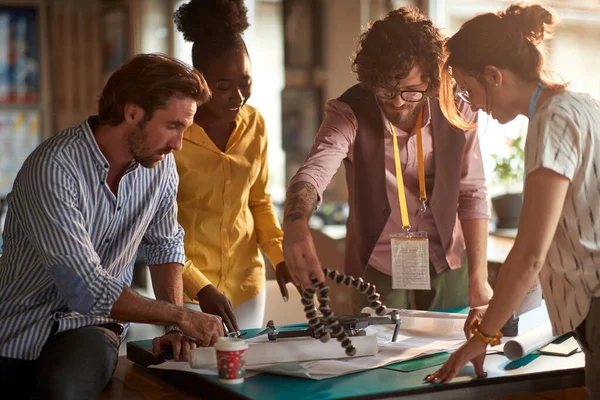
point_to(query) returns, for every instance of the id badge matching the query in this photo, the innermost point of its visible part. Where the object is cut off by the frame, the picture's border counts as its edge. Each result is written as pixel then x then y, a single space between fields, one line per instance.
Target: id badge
pixel 410 261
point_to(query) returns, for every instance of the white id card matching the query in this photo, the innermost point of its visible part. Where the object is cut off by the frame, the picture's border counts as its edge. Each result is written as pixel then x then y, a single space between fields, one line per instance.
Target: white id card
pixel 410 261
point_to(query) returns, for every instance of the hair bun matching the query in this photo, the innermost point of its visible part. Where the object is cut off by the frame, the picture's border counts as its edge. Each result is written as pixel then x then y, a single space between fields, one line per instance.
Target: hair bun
pixel 201 19
pixel 532 21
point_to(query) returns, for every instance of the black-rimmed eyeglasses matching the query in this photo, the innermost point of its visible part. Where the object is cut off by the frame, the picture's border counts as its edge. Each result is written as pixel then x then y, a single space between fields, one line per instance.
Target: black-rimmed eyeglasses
pixel 406 95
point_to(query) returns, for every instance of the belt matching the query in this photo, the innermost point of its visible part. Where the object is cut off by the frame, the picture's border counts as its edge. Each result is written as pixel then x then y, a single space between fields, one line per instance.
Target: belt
pixel 111 326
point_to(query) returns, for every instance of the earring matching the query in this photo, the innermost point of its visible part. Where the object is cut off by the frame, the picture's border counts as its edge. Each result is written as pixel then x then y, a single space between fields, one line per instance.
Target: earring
pixel 496 84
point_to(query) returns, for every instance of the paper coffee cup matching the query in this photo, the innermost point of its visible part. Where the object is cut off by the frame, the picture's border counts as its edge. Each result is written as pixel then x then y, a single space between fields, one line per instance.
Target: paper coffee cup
pixel 231 359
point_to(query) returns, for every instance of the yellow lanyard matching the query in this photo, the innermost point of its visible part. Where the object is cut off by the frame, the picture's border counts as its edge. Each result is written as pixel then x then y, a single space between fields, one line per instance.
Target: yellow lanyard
pixel 400 180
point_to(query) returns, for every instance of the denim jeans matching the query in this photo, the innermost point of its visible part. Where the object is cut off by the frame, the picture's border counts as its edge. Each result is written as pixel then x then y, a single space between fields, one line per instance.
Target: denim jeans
pixel 588 336
pixel 75 364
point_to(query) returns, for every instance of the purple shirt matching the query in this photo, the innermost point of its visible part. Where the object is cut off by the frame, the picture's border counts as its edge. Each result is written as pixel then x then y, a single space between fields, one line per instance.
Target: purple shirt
pixel 335 141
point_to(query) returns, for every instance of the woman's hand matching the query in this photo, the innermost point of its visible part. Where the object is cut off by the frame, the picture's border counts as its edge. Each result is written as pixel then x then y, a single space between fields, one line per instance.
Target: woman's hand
pixel 213 301
pixel 474 351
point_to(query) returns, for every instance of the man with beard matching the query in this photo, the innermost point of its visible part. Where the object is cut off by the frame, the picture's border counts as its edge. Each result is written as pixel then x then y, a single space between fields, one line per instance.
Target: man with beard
pixel 397 64
pixel 81 205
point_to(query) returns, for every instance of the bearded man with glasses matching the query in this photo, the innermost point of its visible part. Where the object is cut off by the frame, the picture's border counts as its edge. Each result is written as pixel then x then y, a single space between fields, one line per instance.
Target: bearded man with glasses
pixel 390 133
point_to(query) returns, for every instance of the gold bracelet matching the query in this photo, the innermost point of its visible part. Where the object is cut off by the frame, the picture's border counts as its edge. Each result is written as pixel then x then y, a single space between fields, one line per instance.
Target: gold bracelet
pixel 491 340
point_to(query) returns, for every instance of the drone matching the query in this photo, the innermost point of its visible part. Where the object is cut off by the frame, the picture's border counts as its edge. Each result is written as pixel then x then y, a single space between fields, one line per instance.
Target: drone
pixel 351 325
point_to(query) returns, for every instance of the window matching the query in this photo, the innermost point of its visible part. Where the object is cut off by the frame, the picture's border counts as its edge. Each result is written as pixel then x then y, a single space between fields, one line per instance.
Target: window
pixel 571 52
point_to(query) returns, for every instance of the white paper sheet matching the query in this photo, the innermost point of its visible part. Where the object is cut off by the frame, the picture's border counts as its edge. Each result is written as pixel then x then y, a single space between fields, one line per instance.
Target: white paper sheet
pixel 424 334
pixel 565 349
pixel 263 351
pixel 529 342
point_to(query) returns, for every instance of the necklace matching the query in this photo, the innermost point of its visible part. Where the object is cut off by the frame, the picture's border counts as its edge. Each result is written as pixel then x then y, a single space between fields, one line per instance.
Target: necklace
pixel 535 97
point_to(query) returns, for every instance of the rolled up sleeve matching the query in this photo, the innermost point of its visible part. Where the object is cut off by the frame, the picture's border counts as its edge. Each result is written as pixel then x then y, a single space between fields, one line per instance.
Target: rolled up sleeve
pixel 193 280
pixel 473 197
pixel 333 143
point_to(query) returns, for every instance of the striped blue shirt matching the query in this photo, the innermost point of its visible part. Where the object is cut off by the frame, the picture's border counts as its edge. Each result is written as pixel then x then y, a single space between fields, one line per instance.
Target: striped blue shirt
pixel 70 243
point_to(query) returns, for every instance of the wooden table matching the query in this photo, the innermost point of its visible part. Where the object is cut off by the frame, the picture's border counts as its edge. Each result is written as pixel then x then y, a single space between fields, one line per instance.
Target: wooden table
pixel 132 382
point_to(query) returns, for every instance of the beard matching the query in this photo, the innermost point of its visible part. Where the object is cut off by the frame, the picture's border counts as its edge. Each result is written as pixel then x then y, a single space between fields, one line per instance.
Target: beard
pixel 140 150
pixel 405 115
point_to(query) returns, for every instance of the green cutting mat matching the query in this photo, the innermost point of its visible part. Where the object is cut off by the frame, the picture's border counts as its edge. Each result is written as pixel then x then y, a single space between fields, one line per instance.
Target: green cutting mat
pixel 420 363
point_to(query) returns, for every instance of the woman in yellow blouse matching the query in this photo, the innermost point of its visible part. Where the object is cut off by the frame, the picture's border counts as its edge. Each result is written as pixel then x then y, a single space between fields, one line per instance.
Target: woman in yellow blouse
pixel 224 206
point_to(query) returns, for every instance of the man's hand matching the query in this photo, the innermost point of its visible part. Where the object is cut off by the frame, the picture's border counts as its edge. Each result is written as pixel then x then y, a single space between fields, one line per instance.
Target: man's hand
pixel 300 254
pixel 480 294
pixel 180 344
pixel 204 328
pixel 283 277
pixel 298 248
pixel 474 313
pixel 213 301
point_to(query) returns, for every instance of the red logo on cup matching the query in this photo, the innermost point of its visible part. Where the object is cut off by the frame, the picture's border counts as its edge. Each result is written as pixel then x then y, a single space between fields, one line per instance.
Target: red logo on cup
pixel 231 359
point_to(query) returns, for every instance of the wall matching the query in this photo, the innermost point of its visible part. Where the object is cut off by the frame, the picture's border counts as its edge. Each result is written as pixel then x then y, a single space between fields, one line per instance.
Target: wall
pixel 266 53
pixel 343 22
pixel 574 53
pixel 76 60
pixel 156 26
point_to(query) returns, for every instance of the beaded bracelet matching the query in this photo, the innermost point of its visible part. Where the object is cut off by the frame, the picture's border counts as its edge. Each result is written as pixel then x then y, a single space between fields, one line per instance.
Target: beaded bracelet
pixel 327 325
pixel 491 340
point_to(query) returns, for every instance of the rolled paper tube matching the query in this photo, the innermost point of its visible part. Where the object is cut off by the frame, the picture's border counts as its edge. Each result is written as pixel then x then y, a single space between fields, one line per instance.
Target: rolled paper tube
pixel 529 342
pixel 288 350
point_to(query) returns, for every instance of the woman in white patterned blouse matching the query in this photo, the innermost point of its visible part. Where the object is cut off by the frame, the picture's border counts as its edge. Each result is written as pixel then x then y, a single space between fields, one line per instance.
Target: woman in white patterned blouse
pixel 496 62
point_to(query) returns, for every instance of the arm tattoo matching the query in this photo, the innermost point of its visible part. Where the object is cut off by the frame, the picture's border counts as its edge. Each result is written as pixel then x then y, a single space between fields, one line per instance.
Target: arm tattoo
pixel 301 201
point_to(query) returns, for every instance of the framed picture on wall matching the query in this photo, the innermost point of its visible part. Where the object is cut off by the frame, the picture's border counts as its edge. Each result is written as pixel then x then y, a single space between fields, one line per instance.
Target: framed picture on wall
pixel 300 119
pixel 116 38
pixel 19 56
pixel 302 33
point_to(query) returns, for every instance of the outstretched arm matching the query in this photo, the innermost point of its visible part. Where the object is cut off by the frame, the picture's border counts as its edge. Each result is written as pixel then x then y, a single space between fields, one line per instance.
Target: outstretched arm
pixel 300 202
pixel 298 247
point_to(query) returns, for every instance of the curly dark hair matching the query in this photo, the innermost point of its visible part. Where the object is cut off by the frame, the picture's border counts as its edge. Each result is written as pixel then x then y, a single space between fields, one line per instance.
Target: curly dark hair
pixel 391 47
pixel 214 26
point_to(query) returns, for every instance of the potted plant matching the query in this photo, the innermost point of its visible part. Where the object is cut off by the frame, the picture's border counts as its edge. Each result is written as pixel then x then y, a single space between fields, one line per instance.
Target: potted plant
pixel 509 171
